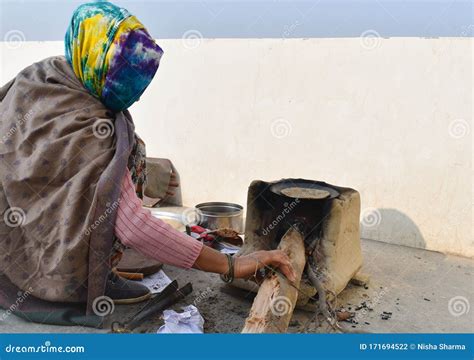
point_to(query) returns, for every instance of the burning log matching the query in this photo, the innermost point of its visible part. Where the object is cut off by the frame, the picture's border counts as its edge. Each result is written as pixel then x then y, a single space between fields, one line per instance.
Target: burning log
pixel 276 299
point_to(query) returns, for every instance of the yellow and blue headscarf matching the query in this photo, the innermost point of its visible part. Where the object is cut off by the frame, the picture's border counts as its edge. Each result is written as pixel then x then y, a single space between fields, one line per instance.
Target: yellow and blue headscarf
pixel 111 53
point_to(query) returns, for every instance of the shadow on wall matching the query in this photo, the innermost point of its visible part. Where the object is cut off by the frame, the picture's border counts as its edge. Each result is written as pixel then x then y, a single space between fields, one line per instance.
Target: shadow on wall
pixel 391 226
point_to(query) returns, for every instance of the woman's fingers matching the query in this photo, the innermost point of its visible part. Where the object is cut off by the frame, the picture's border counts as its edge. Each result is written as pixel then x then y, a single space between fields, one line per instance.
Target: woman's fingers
pixel 173 182
pixel 247 266
pixel 288 271
pixel 280 260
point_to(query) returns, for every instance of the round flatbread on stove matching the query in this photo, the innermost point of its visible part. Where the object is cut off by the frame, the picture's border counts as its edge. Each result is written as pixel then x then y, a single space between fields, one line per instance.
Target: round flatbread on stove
pixel 305 193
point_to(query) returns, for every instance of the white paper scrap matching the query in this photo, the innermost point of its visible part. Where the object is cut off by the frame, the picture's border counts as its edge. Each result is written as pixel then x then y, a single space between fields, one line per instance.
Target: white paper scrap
pixel 226 248
pixel 189 321
pixel 156 282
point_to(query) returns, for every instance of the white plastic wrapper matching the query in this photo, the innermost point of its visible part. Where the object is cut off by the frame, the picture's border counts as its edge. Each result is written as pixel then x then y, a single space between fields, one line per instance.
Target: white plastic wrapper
pixel 189 321
pixel 156 282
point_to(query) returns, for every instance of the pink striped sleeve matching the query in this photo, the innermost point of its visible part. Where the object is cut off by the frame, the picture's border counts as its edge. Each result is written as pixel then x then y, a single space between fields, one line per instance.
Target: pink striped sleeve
pixel 138 229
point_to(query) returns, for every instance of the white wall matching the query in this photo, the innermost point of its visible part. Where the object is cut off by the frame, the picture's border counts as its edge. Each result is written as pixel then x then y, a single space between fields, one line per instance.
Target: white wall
pixel 392 119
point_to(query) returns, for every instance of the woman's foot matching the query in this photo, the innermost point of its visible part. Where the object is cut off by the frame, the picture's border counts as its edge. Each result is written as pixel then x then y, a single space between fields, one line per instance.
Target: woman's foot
pixel 123 291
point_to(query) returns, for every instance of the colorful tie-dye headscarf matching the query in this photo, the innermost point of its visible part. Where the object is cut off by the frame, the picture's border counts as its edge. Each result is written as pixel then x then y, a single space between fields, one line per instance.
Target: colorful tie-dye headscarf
pixel 111 53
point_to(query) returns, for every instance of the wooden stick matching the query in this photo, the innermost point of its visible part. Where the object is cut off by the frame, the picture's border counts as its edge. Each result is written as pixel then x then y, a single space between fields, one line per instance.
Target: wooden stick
pixel 273 306
pixel 129 275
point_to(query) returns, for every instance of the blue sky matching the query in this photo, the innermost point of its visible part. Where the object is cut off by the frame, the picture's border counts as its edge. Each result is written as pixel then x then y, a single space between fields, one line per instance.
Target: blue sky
pixel 47 20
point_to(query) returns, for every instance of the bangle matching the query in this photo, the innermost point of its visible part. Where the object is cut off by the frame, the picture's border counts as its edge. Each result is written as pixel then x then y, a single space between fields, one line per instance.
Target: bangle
pixel 229 276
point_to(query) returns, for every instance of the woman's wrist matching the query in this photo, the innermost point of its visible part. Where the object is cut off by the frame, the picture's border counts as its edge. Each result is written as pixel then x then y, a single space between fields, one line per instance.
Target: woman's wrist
pixel 225 266
pixel 228 277
pixel 212 261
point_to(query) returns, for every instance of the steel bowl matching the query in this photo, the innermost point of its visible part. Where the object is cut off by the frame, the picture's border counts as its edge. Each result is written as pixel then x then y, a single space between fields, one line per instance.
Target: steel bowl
pixel 218 215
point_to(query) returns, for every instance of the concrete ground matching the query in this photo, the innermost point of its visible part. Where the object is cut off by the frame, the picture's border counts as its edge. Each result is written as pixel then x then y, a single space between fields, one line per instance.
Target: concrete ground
pixel 419 291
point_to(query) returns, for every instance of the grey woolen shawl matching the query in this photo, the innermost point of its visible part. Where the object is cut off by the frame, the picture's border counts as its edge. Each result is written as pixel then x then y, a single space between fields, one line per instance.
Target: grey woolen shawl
pixel 62 157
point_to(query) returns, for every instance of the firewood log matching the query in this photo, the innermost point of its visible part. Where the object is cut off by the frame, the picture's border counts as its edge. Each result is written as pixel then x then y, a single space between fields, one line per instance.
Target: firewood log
pixel 276 299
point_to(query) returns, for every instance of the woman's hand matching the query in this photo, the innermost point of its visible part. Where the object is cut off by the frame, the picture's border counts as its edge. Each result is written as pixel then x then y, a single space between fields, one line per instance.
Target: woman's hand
pixel 247 266
pixel 244 266
pixel 173 184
